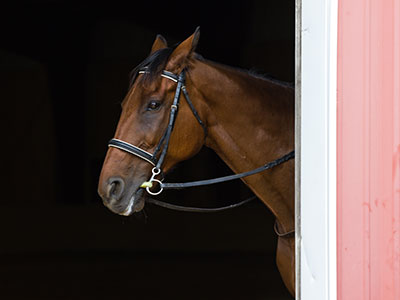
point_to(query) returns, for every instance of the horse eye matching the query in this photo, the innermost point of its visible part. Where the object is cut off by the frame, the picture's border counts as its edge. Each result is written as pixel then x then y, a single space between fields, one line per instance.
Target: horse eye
pixel 153 105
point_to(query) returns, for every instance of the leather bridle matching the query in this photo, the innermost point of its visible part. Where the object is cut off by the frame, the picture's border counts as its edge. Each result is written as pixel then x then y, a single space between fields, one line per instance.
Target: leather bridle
pixel 152 158
pixel 157 158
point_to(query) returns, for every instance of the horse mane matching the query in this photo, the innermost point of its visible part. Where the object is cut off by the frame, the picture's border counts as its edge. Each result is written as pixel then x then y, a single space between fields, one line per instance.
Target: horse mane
pixel 156 62
pixel 251 72
pixel 268 77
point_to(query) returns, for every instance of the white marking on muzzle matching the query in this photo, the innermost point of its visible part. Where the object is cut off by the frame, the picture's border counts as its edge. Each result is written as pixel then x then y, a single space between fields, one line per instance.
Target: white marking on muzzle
pixel 128 209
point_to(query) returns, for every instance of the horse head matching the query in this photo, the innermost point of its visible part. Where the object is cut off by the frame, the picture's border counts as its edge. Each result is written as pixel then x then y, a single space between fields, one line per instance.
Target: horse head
pixel 149 113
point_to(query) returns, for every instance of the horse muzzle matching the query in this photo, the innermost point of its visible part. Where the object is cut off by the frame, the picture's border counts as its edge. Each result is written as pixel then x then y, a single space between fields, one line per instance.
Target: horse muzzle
pixel 121 199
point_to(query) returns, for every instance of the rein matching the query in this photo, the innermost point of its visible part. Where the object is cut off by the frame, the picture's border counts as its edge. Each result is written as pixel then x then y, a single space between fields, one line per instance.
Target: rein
pixel 197 209
pixel 212 210
pixel 229 177
pixel 162 148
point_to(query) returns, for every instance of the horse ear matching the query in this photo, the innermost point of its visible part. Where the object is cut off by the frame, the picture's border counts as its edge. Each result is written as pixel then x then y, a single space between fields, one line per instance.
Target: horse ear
pixel 183 51
pixel 159 43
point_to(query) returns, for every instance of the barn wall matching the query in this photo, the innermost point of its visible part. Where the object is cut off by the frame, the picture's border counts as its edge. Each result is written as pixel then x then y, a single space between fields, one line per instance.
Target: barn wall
pixel 368 171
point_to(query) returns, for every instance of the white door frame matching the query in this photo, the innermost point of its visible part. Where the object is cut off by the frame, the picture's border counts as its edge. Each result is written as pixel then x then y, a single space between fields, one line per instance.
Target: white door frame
pixel 316 56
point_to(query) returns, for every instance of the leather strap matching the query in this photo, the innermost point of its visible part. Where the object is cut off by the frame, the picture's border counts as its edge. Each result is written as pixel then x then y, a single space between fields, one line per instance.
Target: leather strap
pixel 116 143
pixel 195 113
pixel 283 234
pixel 172 117
pixel 229 177
pixel 197 209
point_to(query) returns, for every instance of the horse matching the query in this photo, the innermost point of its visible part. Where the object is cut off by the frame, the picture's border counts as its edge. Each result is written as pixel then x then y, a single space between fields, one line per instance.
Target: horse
pixel 245 118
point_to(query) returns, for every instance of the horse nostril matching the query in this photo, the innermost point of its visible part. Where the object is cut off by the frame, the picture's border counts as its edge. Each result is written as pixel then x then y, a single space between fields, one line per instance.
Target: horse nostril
pixel 115 188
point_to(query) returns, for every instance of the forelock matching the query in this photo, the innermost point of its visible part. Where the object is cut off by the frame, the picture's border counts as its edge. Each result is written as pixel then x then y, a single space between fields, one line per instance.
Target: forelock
pixel 153 65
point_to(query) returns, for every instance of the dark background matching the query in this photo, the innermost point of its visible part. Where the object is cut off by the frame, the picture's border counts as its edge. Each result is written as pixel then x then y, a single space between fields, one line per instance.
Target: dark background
pixel 63 72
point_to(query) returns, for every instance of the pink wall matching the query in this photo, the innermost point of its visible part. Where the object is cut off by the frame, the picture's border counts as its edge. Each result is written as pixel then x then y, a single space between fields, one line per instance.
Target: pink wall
pixel 368 163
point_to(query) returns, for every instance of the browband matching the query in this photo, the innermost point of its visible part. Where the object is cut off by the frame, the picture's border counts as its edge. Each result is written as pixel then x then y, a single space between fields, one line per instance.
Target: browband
pixel 166 74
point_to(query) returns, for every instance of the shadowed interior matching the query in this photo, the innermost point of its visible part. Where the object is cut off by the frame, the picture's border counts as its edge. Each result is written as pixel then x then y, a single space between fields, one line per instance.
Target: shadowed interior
pixel 64 71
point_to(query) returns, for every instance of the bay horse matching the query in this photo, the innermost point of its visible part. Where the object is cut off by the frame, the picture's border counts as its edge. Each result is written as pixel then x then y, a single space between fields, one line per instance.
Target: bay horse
pixel 246 119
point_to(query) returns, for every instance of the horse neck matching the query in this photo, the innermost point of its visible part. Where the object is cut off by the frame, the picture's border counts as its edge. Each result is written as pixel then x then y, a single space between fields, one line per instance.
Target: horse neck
pixel 250 122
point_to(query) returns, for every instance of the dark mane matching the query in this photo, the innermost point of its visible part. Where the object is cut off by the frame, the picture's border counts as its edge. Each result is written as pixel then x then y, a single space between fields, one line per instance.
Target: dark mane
pixel 154 64
pixel 252 72
pixel 257 74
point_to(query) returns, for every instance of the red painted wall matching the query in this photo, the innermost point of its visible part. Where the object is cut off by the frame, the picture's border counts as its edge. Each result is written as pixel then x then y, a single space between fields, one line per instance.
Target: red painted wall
pixel 368 173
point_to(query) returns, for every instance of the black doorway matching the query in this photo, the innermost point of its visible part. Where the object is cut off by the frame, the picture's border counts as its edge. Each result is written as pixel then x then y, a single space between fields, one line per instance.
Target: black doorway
pixel 64 70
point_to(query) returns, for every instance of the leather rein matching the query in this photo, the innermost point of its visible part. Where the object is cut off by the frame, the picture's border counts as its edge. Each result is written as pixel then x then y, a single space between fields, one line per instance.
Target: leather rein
pixel 157 158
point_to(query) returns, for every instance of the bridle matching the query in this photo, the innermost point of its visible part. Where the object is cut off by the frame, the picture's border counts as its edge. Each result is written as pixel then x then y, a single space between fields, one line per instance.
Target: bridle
pixel 161 151
pixel 152 158
pixel 157 158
